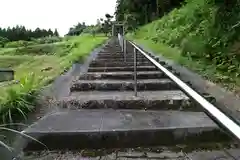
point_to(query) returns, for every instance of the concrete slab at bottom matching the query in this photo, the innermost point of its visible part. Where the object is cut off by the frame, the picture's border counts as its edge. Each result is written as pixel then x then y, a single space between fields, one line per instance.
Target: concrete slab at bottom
pixel 130 154
pixel 121 128
pixel 210 155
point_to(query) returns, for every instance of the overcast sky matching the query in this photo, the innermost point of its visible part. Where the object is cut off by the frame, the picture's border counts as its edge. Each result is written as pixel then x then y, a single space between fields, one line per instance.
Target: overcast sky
pixel 60 14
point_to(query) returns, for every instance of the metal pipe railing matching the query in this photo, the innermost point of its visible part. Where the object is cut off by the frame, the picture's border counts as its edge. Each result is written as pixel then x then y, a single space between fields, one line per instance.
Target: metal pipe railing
pixel 123 44
pixel 135 71
pixel 125 50
pixel 213 111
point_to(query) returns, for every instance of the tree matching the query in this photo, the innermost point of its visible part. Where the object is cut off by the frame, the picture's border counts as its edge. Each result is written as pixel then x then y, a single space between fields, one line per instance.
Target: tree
pixel 108 16
pixel 56 33
pixel 140 12
pixel 21 33
pixel 50 32
pixel 3 41
pixel 77 29
pixel 106 24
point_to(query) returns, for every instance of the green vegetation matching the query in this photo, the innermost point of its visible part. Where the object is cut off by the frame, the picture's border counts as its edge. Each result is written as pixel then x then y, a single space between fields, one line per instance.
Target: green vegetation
pixel 34 41
pixel 102 26
pixel 139 12
pixel 202 35
pixel 23 35
pixel 36 66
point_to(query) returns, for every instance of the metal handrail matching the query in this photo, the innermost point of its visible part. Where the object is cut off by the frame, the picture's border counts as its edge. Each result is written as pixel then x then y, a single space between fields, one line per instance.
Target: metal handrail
pixel 224 120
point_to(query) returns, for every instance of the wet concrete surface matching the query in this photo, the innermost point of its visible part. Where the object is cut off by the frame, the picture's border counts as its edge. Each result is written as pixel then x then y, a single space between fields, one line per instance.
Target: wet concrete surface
pixel 101 120
pixel 121 128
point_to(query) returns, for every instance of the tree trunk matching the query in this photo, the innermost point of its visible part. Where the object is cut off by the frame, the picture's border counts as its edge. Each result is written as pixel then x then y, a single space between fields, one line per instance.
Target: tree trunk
pixel 157 8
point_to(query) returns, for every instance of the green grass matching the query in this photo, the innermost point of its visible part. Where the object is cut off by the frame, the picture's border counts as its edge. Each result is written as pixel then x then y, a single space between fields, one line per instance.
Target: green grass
pixel 202 35
pixel 207 70
pixel 4 51
pixel 34 70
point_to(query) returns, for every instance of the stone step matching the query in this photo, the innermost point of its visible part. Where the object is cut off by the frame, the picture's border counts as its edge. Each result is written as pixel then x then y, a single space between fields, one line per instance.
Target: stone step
pixel 120 69
pixel 100 60
pixel 153 100
pixel 111 46
pixel 121 59
pixel 118 56
pixel 109 51
pixel 96 129
pixel 118 53
pixel 117 64
pixel 96 63
pixel 123 85
pixel 150 153
pixel 122 75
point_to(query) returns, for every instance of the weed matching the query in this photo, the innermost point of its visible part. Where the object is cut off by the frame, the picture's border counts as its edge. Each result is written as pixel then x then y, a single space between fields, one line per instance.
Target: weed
pixel 203 32
pixel 34 71
pixel 18 99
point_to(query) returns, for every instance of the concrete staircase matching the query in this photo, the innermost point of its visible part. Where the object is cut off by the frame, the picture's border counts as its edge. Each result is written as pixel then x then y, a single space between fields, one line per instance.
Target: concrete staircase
pixel 102 111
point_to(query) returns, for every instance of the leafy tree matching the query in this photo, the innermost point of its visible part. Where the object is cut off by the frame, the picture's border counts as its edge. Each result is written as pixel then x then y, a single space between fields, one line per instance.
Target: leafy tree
pixel 56 33
pixel 77 29
pixel 3 41
pixel 107 24
pixel 138 12
pixel 50 32
pixel 21 33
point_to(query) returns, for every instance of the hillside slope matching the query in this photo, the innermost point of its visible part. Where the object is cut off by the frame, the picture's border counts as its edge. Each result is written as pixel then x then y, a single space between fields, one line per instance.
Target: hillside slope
pixel 202 35
pixel 36 66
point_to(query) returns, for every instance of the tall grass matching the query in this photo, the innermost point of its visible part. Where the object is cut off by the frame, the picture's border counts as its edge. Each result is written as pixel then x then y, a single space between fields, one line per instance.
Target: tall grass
pixel 17 100
pixel 205 32
pixel 32 73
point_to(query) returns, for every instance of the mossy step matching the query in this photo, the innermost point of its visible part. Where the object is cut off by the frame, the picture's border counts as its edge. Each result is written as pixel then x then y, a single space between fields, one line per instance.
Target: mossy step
pixel 122 75
pixel 123 85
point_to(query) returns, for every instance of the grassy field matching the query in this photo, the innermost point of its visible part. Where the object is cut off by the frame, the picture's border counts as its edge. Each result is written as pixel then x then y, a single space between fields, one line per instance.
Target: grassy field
pixel 36 66
pixel 201 36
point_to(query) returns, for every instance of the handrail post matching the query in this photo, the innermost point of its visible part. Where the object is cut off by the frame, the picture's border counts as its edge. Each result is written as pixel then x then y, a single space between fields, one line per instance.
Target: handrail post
pixel 125 50
pixel 135 71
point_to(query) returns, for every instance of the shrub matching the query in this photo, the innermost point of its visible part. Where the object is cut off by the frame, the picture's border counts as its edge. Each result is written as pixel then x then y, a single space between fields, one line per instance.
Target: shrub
pixel 204 29
pixel 16 44
pixel 44 40
pixel 18 100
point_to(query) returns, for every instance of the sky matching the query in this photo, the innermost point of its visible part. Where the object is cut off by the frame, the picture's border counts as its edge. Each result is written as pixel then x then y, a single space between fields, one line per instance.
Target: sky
pixel 60 14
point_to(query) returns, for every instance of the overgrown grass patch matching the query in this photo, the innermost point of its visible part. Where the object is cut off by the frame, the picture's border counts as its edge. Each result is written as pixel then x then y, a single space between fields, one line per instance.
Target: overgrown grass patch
pixel 205 37
pixel 206 69
pixel 13 61
pixel 6 51
pixel 35 71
